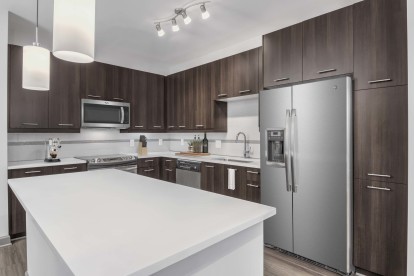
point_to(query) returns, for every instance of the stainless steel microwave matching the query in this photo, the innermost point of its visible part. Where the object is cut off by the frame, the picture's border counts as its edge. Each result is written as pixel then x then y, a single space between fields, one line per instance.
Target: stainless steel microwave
pixel 105 114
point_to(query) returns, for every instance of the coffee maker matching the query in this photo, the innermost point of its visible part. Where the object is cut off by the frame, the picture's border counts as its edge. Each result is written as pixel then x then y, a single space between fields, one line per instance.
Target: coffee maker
pixel 52 147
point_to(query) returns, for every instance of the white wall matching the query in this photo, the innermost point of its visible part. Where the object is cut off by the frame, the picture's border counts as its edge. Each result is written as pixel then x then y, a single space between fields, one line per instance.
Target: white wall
pixel 410 259
pixel 3 119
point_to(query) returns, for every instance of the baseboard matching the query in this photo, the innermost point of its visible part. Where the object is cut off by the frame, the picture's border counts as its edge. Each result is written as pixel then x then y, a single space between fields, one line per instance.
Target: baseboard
pixel 5 241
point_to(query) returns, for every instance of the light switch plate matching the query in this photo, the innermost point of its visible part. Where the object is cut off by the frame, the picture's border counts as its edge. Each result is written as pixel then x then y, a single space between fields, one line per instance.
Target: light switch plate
pixel 182 142
pixel 131 142
pixel 160 142
pixel 218 144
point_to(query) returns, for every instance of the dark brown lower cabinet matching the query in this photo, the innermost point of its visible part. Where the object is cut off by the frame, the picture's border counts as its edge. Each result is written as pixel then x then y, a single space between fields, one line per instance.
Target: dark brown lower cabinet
pixel 17 214
pixel 380 227
pixel 149 167
pixel 240 178
pixel 253 185
pixel 168 169
pixel 211 177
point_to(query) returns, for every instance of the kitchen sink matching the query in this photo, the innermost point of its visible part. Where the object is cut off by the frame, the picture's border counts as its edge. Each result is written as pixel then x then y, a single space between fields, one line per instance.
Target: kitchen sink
pixel 232 160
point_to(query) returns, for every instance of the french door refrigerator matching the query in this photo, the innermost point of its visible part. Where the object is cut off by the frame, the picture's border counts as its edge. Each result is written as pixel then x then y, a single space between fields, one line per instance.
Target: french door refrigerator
pixel 306 170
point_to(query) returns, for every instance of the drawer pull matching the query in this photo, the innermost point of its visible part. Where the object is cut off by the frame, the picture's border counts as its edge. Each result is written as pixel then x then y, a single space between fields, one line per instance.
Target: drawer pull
pixel 326 71
pixel 32 172
pixel 199 125
pixel 379 81
pixel 244 91
pixel 147 161
pixel 168 170
pixel 222 95
pixel 70 169
pixel 181 126
pixel 118 99
pixel 251 185
pixel 168 160
pixel 378 188
pixel 210 167
pixel 150 170
pixel 71 125
pixel 282 79
pixel 252 172
pixel 30 124
pixel 156 126
pixel 94 96
pixel 139 126
pixel 171 126
pixel 380 175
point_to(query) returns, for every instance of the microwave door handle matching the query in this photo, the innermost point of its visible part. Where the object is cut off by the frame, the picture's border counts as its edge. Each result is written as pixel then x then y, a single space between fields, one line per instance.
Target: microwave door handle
pixel 122 115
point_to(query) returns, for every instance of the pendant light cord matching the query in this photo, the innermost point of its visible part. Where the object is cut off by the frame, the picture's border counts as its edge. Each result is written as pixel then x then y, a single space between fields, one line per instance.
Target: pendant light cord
pixel 37 23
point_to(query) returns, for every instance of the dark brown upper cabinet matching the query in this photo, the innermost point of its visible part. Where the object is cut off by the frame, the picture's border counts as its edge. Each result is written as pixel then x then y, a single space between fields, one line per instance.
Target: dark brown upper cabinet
pixel 246 73
pixel 204 103
pixel 155 102
pixel 28 109
pixel 64 95
pixel 139 101
pixel 380 43
pixel 380 227
pixel 226 67
pixel 282 51
pixel 121 84
pixel 94 83
pixel 180 106
pixel 380 134
pixel 328 45
pixel 190 90
pixel 170 98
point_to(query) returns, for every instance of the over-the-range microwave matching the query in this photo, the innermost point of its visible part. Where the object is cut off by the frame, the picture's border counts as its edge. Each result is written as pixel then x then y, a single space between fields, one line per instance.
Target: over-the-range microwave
pixel 105 114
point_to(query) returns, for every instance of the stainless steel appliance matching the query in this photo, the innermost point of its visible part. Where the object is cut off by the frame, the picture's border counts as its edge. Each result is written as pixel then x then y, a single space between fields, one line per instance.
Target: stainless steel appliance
pixel 188 173
pixel 105 114
pixel 306 170
pixel 121 162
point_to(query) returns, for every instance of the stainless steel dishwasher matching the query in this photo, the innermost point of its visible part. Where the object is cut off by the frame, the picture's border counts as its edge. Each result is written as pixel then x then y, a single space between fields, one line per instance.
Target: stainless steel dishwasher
pixel 188 173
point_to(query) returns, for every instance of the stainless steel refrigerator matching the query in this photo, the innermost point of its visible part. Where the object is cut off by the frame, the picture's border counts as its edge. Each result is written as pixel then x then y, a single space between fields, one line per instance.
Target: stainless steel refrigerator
pixel 306 170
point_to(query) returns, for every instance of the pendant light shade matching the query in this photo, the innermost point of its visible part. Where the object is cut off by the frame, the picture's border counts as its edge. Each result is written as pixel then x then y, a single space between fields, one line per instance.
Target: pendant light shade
pixel 74 30
pixel 36 68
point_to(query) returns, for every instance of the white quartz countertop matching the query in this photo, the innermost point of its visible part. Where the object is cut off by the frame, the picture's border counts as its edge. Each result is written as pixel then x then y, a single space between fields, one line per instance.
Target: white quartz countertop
pixel 42 163
pixel 218 159
pixel 109 222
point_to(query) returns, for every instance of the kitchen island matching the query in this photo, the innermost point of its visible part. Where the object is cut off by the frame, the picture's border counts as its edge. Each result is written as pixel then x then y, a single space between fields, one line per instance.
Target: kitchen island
pixel 110 222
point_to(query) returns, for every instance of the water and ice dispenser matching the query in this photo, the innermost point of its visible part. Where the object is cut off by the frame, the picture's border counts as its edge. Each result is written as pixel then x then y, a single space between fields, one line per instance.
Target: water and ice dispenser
pixel 276 147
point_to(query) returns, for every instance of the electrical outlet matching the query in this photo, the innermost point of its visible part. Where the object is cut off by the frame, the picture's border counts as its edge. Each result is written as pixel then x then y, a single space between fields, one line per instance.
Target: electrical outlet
pixel 218 144
pixel 131 143
pixel 182 142
pixel 160 142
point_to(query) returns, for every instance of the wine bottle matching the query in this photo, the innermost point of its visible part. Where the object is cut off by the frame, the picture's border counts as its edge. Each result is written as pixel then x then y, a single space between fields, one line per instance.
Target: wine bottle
pixel 205 143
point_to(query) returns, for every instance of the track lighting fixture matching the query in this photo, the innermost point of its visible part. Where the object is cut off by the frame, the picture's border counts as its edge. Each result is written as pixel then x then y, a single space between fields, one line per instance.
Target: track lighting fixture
pixel 183 13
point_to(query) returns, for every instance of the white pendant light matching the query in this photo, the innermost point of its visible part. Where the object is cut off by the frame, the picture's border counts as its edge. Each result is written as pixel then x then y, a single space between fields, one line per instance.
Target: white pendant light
pixel 36 63
pixel 74 30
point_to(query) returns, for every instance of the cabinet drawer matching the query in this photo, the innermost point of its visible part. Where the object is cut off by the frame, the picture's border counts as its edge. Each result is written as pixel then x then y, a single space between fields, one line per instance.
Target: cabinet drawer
pixel 253 175
pixel 169 163
pixel 30 172
pixel 152 172
pixel 147 162
pixel 69 168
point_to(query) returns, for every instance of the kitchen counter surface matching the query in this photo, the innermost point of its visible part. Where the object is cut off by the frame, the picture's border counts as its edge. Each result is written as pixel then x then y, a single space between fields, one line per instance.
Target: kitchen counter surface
pixel 110 222
pixel 245 162
pixel 42 163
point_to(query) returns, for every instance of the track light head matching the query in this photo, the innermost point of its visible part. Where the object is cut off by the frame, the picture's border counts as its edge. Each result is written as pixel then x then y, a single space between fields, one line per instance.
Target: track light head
pixel 186 18
pixel 204 13
pixel 160 31
pixel 175 27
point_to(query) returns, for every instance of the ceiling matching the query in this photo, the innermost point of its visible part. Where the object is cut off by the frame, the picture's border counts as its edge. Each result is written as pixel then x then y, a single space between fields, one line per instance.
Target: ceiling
pixel 126 36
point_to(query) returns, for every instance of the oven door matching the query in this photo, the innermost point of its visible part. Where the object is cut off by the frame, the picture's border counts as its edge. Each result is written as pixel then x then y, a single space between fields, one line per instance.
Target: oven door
pixel 105 114
pixel 128 168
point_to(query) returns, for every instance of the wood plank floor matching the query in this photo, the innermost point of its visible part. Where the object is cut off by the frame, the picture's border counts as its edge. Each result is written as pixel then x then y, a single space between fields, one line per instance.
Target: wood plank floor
pixel 13 263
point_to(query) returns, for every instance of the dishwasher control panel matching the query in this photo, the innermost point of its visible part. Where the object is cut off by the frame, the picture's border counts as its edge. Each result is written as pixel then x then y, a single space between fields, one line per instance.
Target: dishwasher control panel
pixel 188 165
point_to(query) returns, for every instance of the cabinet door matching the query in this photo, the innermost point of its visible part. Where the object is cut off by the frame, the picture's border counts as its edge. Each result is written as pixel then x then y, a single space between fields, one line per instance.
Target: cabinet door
pixel 226 77
pixel 64 96
pixel 27 108
pixel 189 97
pixel 94 80
pixel 328 45
pixel 155 102
pixel 253 185
pixel 209 176
pixel 168 167
pixel 380 43
pixel 282 62
pixel 203 101
pixel 380 227
pixel 171 99
pixel 381 138
pixel 246 73
pixel 240 178
pixel 181 106
pixel 139 101
pixel 121 84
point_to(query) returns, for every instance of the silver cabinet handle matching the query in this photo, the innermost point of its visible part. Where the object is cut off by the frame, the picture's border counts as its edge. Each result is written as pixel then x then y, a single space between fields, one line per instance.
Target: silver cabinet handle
pixel 118 99
pixel 378 188
pixel 222 95
pixel 171 126
pixel 293 151
pixel 281 79
pixel 379 81
pixel 380 175
pixel 65 125
pixel 150 170
pixel 70 169
pixel 252 172
pixel 245 91
pixel 147 161
pixel 199 125
pixel 94 96
pixel 326 71
pixel 32 172
pixel 139 126
pixel 210 167
pixel 168 160
pixel 181 126
pixel 156 126
pixel 30 124
pixel 251 185
pixel 168 170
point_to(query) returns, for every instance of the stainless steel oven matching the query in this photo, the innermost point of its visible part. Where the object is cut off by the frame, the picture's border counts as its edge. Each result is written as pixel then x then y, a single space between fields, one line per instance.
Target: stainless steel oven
pixel 126 163
pixel 105 114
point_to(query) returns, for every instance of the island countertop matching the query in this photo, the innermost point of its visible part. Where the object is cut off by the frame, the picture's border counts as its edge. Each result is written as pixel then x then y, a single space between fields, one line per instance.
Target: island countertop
pixel 110 222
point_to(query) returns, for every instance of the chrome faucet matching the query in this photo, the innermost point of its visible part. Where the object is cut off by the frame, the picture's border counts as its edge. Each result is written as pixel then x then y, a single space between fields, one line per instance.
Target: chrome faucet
pixel 246 152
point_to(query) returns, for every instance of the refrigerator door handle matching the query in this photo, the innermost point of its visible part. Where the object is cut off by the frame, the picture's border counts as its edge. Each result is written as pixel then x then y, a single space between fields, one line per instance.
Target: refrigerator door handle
pixel 293 150
pixel 287 152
